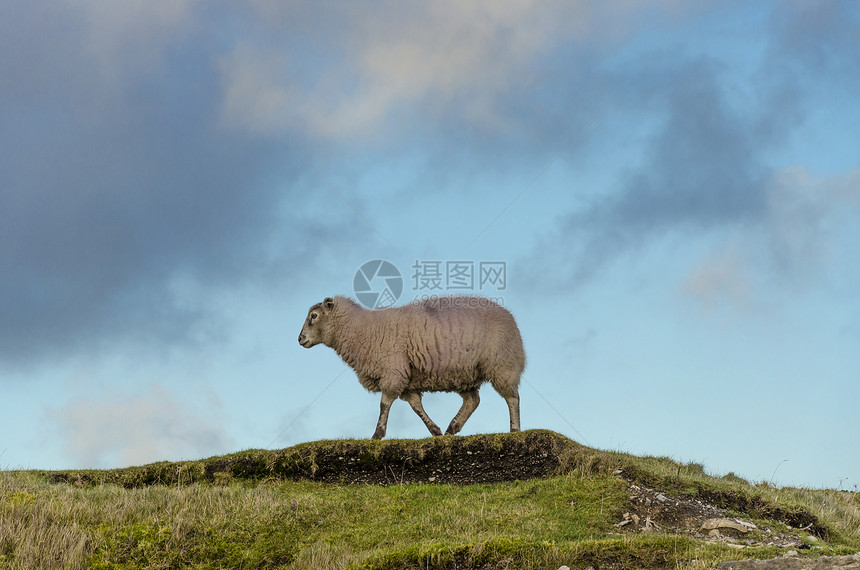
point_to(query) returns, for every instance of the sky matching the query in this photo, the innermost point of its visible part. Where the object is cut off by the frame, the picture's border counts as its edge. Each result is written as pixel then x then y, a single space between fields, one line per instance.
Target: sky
pixel 667 192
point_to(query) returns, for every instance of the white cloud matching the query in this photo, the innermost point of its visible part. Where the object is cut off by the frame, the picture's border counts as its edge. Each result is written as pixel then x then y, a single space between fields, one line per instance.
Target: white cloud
pixel 800 241
pixel 254 89
pixel 452 58
pixel 805 214
pixel 120 429
pixel 124 37
pixel 722 278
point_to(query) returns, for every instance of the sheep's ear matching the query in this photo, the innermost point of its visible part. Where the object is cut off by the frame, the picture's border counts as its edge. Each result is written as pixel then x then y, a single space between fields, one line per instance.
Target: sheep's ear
pixel 328 303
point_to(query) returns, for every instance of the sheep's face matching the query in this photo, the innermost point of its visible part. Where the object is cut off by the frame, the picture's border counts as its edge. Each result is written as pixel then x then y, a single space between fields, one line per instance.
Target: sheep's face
pixel 315 330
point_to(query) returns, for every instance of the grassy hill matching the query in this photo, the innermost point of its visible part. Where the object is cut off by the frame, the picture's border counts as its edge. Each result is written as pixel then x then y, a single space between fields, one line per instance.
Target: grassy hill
pixel 529 500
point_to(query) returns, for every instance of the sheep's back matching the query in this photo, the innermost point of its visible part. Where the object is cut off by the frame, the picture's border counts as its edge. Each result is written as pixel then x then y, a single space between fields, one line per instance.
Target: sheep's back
pixel 460 340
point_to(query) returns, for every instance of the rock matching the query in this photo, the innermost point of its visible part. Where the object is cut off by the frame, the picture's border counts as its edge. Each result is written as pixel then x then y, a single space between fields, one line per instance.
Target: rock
pixel 851 562
pixel 650 526
pixel 714 524
pixel 565 567
pixel 662 498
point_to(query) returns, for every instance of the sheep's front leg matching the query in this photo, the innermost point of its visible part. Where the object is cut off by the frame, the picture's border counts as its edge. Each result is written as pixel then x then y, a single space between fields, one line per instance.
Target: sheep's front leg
pixel 384 407
pixel 414 399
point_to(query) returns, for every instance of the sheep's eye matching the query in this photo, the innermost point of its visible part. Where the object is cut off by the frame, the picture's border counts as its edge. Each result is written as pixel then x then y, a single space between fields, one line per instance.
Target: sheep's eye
pixel 313 316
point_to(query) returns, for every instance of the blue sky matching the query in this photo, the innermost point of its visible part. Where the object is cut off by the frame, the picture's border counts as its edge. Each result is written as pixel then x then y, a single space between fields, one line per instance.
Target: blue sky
pixel 673 187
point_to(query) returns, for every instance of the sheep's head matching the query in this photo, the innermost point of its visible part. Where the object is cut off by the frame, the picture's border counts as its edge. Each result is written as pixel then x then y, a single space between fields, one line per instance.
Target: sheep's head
pixel 316 328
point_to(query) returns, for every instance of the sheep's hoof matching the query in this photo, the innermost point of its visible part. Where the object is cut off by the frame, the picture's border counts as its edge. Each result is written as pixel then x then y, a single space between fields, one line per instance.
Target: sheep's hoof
pixel 452 429
pixel 435 431
pixel 378 434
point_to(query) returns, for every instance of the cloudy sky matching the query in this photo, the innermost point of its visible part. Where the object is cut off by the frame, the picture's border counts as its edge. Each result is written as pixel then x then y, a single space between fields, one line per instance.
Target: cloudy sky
pixel 672 189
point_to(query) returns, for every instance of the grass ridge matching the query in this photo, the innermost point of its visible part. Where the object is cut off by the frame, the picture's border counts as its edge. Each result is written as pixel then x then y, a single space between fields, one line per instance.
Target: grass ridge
pixel 491 501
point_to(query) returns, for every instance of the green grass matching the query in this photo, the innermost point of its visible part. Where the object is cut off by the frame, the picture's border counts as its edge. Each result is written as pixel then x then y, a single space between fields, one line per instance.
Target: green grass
pixel 251 518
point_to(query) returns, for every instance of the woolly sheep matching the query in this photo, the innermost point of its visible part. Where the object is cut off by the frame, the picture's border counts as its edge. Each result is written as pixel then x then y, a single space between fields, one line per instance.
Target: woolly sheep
pixel 442 344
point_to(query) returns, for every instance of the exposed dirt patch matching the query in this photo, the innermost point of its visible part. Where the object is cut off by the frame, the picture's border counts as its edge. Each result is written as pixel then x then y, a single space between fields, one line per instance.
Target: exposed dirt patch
pixel 441 460
pixel 492 458
pixel 654 511
pixel 797 518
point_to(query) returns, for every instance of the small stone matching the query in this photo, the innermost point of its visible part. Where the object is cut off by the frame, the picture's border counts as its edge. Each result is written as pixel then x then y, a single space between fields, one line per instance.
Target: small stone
pixel 790 553
pixel 712 524
pixel 662 498
pixel 635 518
pixel 625 522
pixel 647 502
pixel 564 567
pixel 431 479
pixel 650 526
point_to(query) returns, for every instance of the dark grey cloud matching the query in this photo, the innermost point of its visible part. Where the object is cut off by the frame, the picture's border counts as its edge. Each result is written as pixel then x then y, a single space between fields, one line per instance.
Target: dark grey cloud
pixel 707 165
pixel 115 182
pixel 818 38
pixel 701 170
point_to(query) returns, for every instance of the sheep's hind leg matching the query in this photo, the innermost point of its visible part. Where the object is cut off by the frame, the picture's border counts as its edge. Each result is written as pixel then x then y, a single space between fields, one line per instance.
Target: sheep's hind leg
pixel 514 408
pixel 414 400
pixel 470 403
pixel 507 385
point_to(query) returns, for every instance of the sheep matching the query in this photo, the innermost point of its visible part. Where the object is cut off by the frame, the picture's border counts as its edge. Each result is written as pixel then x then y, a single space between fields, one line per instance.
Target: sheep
pixel 441 344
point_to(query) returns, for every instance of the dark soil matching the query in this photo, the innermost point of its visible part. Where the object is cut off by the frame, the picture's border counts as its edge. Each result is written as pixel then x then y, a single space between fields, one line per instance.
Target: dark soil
pixel 654 511
pixel 460 461
pixel 447 459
